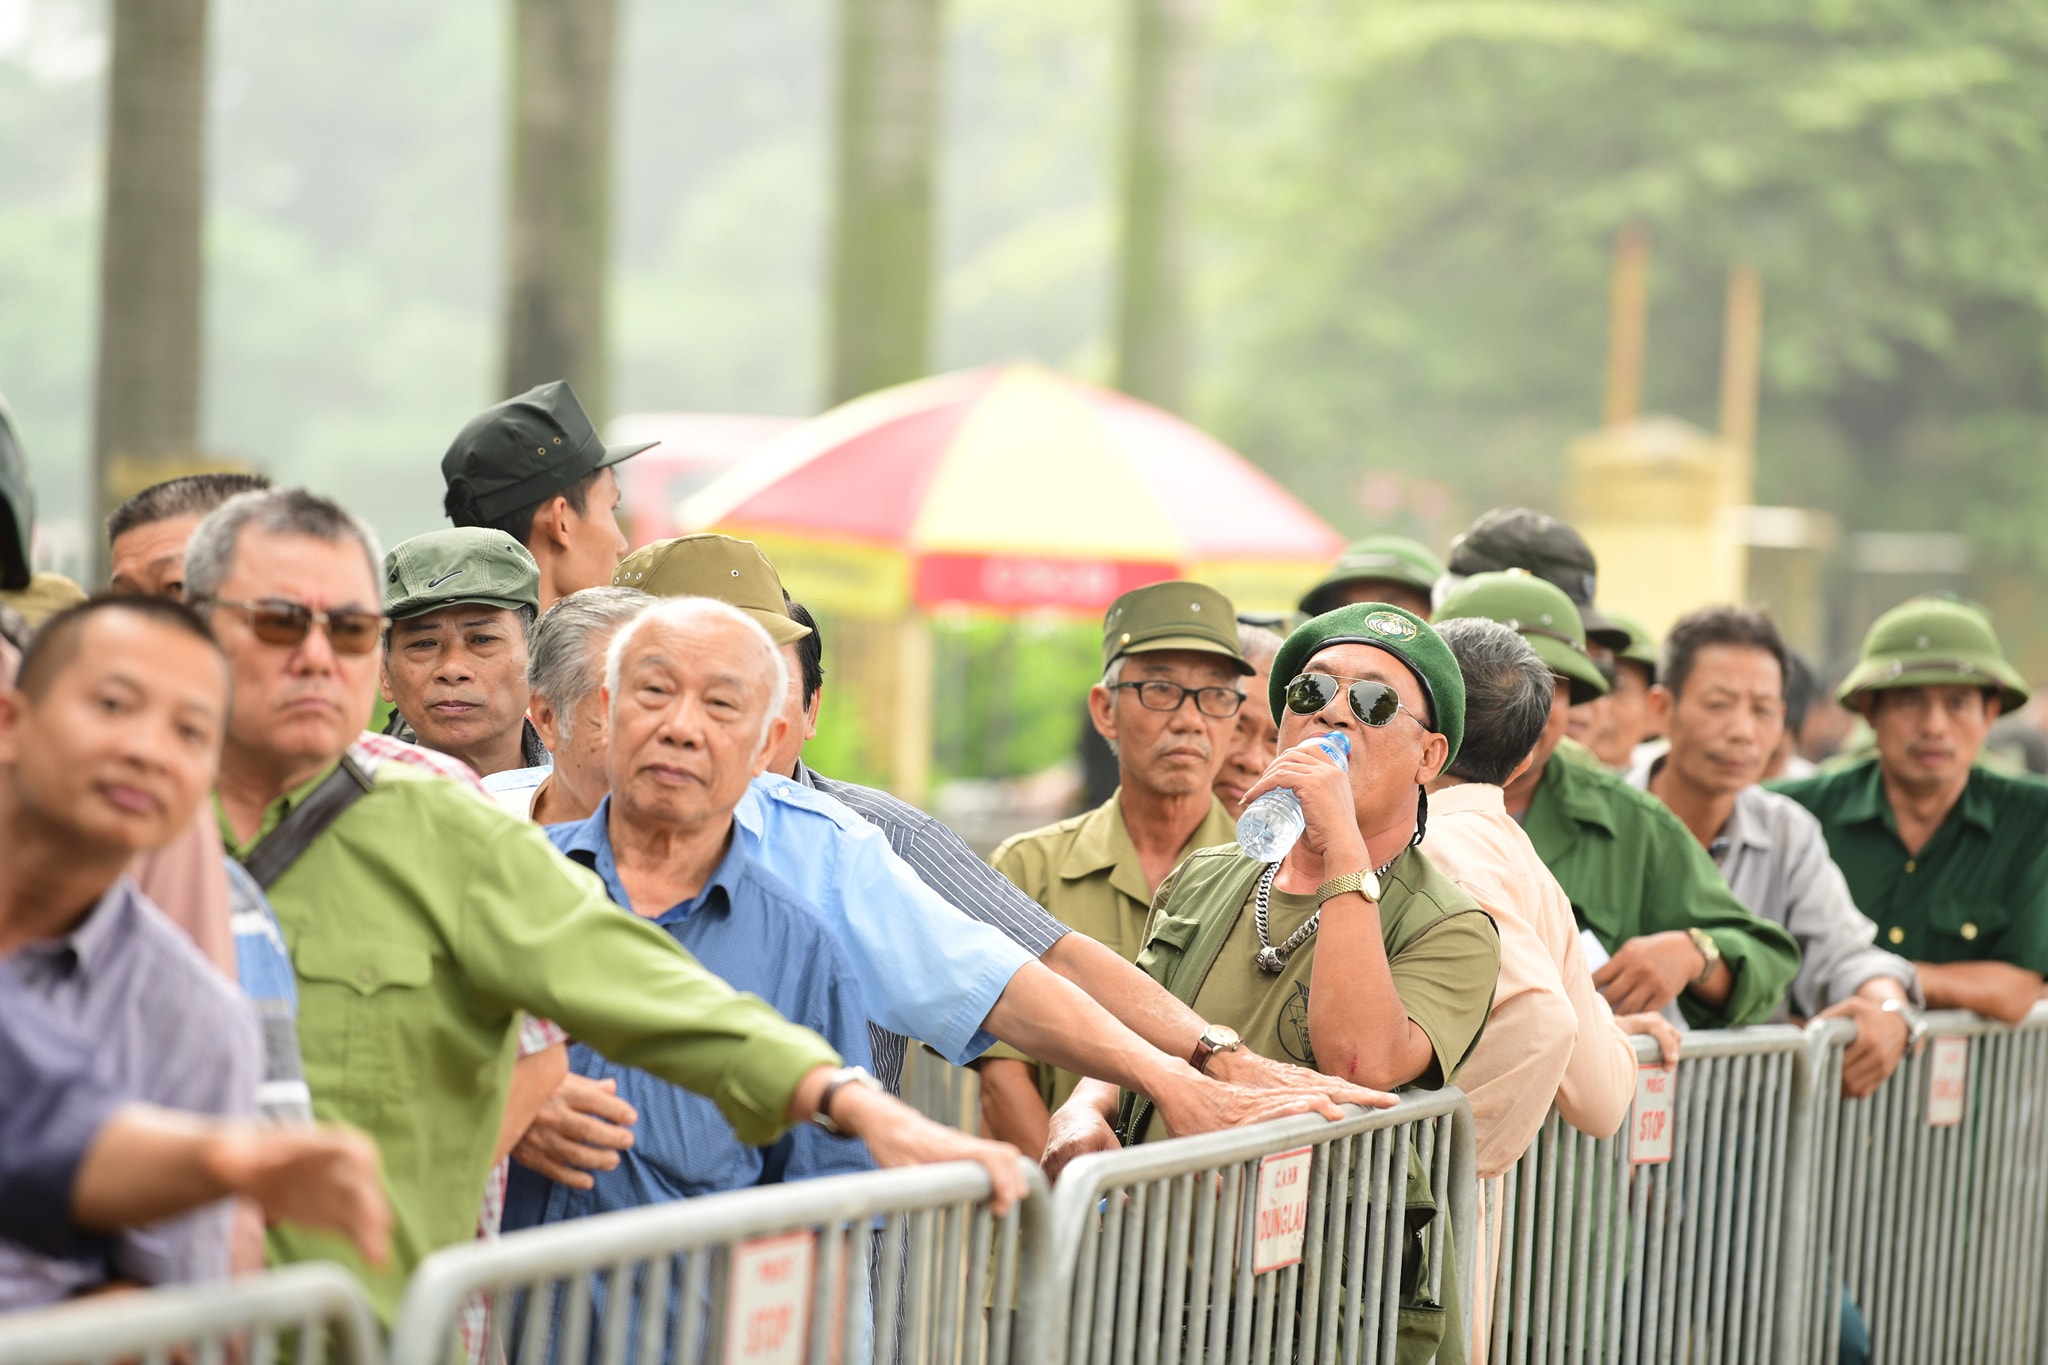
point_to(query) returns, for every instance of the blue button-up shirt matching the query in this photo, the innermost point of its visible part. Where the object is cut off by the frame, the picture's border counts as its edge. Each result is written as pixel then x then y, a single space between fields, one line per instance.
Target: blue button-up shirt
pixel 751 929
pixel 925 969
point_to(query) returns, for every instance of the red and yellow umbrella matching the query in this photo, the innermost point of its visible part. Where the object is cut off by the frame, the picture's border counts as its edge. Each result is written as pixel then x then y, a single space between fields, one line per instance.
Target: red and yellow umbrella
pixel 1011 489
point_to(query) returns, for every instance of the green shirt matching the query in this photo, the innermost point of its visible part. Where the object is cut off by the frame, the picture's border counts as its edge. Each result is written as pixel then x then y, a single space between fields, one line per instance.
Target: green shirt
pixel 1631 868
pixel 1977 891
pixel 421 922
pixel 1087 874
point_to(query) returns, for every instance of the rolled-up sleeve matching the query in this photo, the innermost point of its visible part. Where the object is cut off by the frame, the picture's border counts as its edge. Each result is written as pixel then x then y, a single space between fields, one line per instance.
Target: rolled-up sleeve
pixel 56 1105
pixel 540 933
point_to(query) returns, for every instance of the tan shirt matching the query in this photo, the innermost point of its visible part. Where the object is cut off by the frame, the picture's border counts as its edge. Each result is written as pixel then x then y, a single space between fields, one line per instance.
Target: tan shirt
pixel 1550 1038
pixel 187 879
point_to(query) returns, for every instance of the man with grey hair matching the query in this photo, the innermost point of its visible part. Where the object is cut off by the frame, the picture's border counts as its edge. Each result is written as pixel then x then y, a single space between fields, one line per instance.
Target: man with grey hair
pixel 564 674
pixel 693 693
pixel 1255 743
pixel 421 920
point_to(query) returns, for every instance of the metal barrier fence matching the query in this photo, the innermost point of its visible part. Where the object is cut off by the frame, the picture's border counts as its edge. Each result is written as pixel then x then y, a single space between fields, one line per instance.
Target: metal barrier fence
pixel 308 1313
pixel 1604 1259
pixel 942 1092
pixel 785 1272
pixel 1277 1243
pixel 1930 1204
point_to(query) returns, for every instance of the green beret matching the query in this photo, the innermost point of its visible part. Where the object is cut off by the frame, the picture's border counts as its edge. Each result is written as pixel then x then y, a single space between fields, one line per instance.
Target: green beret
pixel 1543 615
pixel 1377 559
pixel 1934 642
pixel 461 564
pixel 1402 634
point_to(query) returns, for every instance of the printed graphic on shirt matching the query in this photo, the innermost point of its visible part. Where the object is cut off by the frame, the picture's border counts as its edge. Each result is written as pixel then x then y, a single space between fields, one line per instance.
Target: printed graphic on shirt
pixel 1293 1027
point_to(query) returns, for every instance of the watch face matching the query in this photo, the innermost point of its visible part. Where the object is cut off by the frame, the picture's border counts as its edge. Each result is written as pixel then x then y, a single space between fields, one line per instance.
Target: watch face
pixel 1371 887
pixel 1221 1039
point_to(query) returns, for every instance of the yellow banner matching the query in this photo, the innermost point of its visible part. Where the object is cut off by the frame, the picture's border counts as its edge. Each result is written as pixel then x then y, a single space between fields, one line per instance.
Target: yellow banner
pixel 844 577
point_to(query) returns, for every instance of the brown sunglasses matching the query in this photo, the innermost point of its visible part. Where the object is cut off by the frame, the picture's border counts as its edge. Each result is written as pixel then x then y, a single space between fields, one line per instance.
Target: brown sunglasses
pixel 275 621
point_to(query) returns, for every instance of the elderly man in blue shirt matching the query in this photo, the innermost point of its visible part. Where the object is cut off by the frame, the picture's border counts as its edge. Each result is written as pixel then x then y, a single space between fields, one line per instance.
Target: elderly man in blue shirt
pixel 693 691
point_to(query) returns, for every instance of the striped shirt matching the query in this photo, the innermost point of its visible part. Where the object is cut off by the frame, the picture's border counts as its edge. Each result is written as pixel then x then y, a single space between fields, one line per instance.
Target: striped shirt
pixel 943 862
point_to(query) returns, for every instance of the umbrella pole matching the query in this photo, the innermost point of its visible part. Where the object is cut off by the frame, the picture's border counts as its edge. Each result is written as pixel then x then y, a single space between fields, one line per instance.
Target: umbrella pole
pixel 910 764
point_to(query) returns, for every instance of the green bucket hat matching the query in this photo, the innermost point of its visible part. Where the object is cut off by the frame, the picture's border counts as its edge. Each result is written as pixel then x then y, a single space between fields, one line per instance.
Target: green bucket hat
pixel 1933 642
pixel 711 565
pixel 1376 559
pixel 1642 645
pixel 17 507
pixel 462 564
pixel 1400 633
pixel 1541 613
pixel 1175 615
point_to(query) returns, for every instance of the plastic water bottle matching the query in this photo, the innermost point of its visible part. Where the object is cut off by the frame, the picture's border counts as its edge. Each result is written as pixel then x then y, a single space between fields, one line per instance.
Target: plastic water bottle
pixel 1270 825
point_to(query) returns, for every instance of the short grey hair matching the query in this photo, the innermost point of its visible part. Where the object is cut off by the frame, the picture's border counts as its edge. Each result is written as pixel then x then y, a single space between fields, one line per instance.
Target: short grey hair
pixel 560 664
pixel 210 555
pixel 1259 645
pixel 1508 692
pixel 686 612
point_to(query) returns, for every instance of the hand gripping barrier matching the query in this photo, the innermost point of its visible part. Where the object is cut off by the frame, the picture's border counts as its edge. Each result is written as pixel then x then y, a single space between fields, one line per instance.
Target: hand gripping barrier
pixel 1930 1197
pixel 782 1273
pixel 308 1314
pixel 1602 1259
pixel 1157 1248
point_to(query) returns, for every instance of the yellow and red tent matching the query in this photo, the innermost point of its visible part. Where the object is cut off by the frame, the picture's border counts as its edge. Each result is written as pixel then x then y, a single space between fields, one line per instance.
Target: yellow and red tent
pixel 1011 489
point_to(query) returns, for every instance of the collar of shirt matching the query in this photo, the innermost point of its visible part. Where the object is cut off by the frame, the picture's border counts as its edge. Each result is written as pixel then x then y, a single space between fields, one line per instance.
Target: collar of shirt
pixel 1565 792
pixel 273 814
pixel 589 842
pixel 1460 797
pixel 1865 800
pixel 90 939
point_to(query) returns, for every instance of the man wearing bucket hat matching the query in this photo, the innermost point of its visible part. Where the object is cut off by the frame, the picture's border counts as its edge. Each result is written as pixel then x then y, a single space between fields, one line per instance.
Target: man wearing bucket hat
pixel 535 468
pixel 1167 704
pixel 461 604
pixel 1948 857
pixel 1637 879
pixel 1392 569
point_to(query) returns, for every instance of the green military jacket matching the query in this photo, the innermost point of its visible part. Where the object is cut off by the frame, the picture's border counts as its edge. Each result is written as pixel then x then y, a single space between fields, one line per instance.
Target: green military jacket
pixel 1978 890
pixel 1631 868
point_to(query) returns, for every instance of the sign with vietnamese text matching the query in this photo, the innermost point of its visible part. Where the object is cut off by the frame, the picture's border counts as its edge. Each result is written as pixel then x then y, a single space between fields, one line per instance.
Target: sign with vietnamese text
pixel 1281 1212
pixel 767 1319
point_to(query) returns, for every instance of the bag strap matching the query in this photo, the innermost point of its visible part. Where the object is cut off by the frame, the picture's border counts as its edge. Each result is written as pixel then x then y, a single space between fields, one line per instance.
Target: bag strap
pixel 276 851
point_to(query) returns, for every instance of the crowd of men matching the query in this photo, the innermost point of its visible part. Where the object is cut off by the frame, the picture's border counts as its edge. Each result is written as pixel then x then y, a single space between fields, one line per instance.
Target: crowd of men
pixel 577 929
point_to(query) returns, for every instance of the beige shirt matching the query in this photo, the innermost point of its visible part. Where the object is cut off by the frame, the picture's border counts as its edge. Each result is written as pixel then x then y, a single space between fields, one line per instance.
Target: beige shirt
pixel 1550 1038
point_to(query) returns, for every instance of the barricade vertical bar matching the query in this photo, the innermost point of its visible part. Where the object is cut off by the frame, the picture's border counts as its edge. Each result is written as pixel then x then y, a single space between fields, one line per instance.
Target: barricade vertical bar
pixel 1151 1287
pixel 1312 1276
pixel 1131 1266
pixel 1201 1264
pixel 1181 1201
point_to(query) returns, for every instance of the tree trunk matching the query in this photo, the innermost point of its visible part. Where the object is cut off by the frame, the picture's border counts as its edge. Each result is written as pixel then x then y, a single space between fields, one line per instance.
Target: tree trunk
pixel 889 85
pixel 1159 134
pixel 146 390
pixel 559 211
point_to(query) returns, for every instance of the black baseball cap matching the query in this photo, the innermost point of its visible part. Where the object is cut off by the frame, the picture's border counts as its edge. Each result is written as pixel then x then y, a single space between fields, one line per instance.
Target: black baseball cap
pixel 17 508
pixel 527 449
pixel 1523 538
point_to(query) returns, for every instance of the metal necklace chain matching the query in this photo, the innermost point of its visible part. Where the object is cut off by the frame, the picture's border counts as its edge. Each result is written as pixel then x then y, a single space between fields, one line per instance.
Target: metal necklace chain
pixel 1270 958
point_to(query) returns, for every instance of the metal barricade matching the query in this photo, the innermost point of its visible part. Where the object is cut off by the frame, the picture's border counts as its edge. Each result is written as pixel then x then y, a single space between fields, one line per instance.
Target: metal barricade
pixel 306 1313
pixel 1601 1259
pixel 1154 1246
pixel 1930 1207
pixel 904 1266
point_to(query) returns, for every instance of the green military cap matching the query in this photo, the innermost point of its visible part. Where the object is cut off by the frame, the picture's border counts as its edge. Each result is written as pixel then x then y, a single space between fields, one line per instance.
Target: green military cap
pixel 461 564
pixel 525 449
pixel 1642 645
pixel 1400 633
pixel 1934 642
pixel 1376 559
pixel 18 514
pixel 42 597
pixel 1523 538
pixel 1176 615
pixel 709 565
pixel 1544 616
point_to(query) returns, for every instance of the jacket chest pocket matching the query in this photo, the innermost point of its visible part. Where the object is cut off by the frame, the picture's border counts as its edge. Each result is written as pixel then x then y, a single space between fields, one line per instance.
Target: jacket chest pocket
pixel 1968 929
pixel 363 1007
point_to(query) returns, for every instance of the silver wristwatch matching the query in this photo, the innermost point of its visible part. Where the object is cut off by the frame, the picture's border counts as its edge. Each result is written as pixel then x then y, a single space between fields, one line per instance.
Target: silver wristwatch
pixel 845 1076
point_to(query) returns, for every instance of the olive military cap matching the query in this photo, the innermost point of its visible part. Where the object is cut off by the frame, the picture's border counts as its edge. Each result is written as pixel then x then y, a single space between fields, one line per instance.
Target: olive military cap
pixel 1642 645
pixel 1541 613
pixel 1400 633
pixel 525 449
pixel 1523 538
pixel 708 565
pixel 1376 559
pixel 461 564
pixel 1934 642
pixel 17 507
pixel 1176 615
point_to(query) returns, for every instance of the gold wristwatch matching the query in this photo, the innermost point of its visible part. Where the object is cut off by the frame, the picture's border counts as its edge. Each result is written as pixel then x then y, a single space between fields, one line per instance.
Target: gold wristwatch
pixel 1366 883
pixel 1709 950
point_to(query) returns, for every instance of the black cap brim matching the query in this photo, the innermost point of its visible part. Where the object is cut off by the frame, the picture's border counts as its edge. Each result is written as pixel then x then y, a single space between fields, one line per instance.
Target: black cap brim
pixel 1601 630
pixel 614 454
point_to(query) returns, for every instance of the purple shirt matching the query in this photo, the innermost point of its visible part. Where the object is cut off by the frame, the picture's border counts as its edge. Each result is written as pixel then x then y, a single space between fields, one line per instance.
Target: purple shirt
pixel 165 1027
pixel 56 1103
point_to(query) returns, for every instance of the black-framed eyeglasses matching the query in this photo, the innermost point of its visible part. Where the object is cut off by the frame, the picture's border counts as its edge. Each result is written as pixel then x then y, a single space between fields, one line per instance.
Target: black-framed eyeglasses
pixel 1374 703
pixel 275 621
pixel 1157 694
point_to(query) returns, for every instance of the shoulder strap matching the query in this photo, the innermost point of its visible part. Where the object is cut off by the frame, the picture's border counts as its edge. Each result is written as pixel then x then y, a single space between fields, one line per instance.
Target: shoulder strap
pixel 276 851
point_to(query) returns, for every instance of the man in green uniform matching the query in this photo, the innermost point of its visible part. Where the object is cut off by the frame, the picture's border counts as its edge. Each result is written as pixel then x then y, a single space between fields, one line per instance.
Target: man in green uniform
pixel 1167 704
pixel 421 918
pixel 1636 877
pixel 1391 569
pixel 1948 857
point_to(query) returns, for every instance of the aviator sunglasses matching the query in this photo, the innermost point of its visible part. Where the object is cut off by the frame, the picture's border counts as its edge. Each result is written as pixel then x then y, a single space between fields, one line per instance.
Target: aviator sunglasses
pixel 275 621
pixel 1374 703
